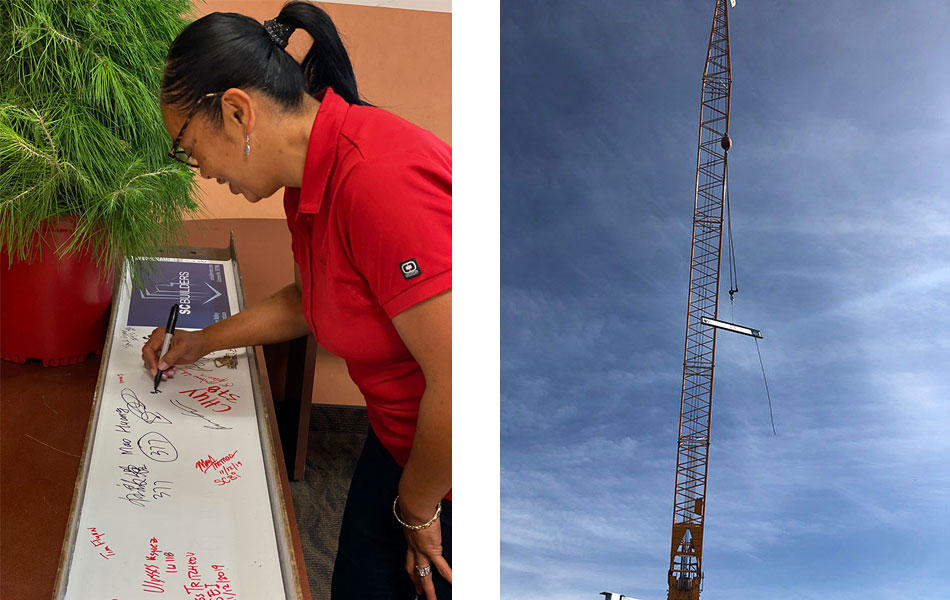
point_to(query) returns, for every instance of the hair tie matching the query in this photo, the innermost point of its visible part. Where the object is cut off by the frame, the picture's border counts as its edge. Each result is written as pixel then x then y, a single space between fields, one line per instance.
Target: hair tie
pixel 278 32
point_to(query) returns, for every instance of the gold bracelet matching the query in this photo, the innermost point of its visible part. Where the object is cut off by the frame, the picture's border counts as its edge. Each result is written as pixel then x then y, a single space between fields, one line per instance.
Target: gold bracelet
pixel 438 511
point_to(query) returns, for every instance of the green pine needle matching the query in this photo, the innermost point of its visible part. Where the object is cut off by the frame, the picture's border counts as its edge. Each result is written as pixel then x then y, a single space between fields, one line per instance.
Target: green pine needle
pixel 81 133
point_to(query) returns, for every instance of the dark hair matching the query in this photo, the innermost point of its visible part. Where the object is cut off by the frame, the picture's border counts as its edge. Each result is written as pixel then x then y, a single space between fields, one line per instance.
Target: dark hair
pixel 226 50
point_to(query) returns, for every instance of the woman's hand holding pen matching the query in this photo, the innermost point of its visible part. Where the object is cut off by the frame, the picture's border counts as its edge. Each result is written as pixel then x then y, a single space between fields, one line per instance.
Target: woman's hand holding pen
pixel 277 319
pixel 186 348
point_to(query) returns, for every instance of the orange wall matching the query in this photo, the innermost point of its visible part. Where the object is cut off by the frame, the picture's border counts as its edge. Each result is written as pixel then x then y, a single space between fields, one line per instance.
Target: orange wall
pixel 403 63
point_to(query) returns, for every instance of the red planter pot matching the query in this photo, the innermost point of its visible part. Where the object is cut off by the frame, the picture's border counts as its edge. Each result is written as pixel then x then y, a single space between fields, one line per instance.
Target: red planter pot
pixel 53 309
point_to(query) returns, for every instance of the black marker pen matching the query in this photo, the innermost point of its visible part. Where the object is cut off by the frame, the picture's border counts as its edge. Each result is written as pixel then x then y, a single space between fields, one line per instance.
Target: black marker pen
pixel 169 332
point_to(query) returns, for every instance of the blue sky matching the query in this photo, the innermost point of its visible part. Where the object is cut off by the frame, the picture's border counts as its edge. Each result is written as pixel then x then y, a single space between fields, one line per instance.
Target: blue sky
pixel 840 191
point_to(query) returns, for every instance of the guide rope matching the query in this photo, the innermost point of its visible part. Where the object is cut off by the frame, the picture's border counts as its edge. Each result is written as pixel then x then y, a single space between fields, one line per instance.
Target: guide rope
pixel 767 395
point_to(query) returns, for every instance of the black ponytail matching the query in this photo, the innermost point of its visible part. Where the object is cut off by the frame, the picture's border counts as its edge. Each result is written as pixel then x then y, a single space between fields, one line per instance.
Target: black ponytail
pixel 229 50
pixel 327 63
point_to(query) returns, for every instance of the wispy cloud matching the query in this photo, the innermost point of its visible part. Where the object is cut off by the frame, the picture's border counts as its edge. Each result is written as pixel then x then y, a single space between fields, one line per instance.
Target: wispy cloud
pixel 839 190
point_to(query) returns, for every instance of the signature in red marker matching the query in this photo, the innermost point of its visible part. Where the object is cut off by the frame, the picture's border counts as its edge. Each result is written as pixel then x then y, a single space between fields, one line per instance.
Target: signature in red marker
pixel 97 542
pixel 209 379
pixel 228 473
pixel 211 463
pixel 153 582
pixel 208 397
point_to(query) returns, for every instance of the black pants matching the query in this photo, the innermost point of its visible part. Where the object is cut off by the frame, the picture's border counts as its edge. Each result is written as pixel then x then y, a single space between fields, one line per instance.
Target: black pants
pixel 370 562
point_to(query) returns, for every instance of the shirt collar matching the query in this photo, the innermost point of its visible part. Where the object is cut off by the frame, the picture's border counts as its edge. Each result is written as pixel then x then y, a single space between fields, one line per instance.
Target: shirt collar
pixel 321 150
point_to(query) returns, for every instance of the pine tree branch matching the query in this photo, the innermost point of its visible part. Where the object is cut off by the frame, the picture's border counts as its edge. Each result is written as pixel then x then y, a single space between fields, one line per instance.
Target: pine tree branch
pixel 49 137
pixel 62 35
pixel 23 144
pixel 18 196
pixel 114 196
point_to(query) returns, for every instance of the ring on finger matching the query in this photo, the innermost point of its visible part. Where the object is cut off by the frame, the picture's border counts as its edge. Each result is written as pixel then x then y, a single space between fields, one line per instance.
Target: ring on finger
pixel 424 571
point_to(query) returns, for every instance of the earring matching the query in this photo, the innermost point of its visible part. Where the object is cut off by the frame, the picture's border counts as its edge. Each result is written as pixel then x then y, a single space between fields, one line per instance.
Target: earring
pixel 247 145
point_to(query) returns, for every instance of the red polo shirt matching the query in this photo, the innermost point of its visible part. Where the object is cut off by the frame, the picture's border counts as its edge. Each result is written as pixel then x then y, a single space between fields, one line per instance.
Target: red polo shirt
pixel 371 230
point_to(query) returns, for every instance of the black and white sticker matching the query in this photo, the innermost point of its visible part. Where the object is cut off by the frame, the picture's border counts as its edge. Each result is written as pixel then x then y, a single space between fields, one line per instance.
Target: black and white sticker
pixel 410 269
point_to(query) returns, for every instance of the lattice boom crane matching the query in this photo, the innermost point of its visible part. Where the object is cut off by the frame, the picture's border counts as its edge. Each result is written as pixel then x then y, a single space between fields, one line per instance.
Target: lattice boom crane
pixel 689 504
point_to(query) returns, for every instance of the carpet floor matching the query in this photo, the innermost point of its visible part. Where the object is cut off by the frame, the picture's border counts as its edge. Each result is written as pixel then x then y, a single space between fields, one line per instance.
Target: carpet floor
pixel 336 438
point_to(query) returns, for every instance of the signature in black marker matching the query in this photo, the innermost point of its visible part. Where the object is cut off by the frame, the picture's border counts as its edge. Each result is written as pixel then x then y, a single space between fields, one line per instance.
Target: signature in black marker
pixel 156 494
pixel 158 447
pixel 194 413
pixel 128 337
pixel 135 480
pixel 139 410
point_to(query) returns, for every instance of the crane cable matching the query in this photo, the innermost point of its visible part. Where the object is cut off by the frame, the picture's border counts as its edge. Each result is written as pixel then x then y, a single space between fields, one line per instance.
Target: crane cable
pixel 733 274
pixel 734 287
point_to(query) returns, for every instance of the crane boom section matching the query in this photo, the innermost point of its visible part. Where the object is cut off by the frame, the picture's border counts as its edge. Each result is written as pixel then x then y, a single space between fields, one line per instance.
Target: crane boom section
pixel 689 503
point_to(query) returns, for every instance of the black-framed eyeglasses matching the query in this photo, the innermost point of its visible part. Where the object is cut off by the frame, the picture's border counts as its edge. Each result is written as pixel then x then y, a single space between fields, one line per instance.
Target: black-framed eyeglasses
pixel 176 152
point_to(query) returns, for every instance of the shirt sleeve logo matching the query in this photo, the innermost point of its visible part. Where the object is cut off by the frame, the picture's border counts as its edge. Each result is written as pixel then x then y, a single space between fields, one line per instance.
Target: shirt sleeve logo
pixel 410 269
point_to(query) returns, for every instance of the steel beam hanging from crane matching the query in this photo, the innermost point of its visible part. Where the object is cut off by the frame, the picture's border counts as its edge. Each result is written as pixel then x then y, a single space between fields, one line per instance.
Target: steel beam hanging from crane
pixel 689 504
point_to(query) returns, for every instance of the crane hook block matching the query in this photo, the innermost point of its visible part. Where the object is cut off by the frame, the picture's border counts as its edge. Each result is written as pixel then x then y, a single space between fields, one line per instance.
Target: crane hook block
pixel 725 142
